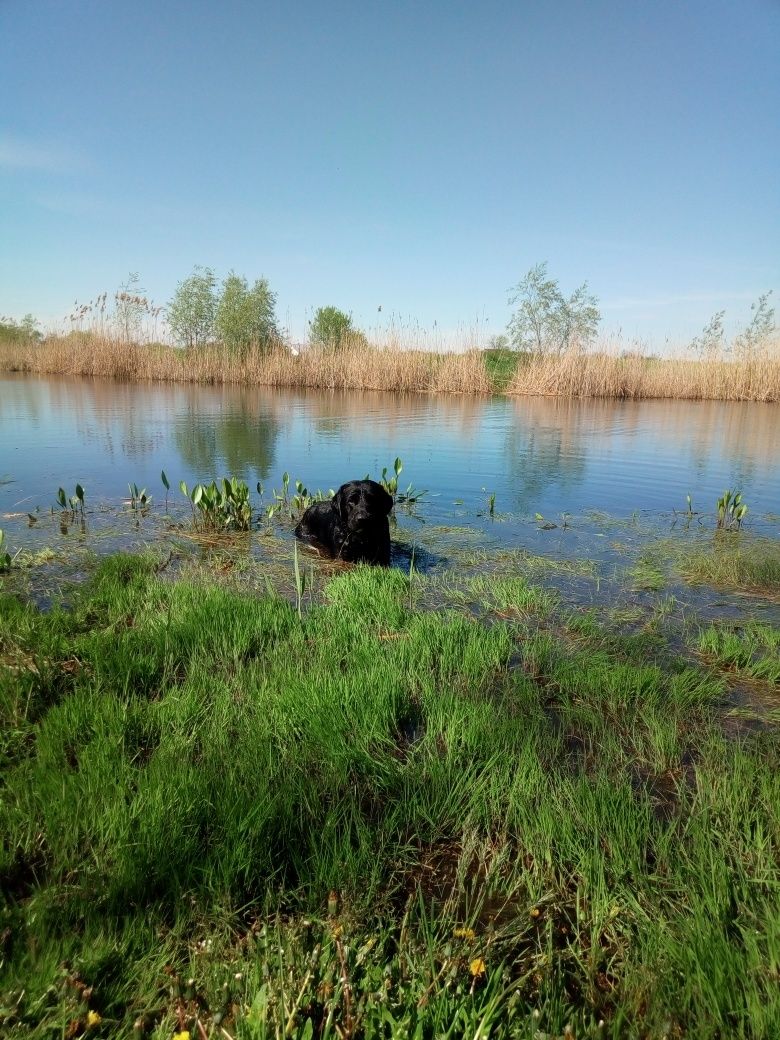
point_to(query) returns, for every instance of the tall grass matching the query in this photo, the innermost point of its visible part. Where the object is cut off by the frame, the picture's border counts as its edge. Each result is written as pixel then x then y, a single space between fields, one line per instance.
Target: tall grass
pixel 355 366
pixel 394 363
pixel 372 821
pixel 610 372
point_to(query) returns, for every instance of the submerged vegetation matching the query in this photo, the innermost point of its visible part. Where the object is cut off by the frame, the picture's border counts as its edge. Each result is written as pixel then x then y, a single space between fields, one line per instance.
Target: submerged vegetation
pixel 228 816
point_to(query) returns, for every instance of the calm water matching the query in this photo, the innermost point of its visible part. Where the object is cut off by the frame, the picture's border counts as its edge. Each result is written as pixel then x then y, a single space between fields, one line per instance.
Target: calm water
pixel 538 455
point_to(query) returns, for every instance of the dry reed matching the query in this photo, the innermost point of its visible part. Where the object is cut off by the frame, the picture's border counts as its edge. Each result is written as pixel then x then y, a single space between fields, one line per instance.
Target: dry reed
pixel 355 366
pixel 359 365
pixel 608 373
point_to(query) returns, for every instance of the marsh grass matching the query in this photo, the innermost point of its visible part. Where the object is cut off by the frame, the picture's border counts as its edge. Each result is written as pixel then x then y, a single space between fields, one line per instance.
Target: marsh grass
pixel 609 371
pixel 354 366
pixel 733 561
pixel 752 649
pixel 373 820
pixel 413 363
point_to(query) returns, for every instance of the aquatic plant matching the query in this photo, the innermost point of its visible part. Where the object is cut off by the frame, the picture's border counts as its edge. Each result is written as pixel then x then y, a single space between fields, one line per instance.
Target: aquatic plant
pixel 167 487
pixel 221 508
pixel 5 557
pixel 390 484
pixel 139 499
pixel 731 510
pixel 290 506
pixel 72 503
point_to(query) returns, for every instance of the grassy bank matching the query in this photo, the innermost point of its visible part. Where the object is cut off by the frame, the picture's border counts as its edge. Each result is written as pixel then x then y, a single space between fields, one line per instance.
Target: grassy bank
pixel 375 820
pixel 604 372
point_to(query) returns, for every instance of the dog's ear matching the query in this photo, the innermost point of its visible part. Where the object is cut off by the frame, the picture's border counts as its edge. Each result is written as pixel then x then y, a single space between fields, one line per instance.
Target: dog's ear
pixel 340 503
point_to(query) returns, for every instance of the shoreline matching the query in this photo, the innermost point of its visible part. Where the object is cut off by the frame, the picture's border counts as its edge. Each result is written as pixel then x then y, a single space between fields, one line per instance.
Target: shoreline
pixel 576 374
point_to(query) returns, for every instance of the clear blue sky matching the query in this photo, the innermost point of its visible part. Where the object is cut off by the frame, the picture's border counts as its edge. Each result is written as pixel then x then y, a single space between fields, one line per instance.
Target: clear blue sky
pixel 417 156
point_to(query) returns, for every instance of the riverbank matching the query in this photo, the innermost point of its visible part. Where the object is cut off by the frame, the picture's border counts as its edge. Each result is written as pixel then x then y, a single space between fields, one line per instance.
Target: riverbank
pixel 493 815
pixel 605 372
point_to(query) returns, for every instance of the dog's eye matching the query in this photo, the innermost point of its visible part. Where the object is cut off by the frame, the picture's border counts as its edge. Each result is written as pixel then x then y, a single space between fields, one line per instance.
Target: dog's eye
pixel 354 498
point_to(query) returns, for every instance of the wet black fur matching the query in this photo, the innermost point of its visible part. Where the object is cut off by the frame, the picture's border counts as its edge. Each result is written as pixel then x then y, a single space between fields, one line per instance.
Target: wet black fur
pixel 353 525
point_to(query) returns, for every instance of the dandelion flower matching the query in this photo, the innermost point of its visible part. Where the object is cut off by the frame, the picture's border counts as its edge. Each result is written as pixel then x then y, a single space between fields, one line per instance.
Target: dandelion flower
pixel 464 933
pixel 93 1019
pixel 477 967
pixel 183 1035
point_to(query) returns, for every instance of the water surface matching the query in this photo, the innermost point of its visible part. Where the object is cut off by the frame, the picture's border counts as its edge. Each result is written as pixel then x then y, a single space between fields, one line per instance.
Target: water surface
pixel 538 455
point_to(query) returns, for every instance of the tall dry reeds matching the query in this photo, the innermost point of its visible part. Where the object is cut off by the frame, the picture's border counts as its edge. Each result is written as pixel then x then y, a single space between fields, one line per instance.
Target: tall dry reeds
pixel 610 372
pixel 354 366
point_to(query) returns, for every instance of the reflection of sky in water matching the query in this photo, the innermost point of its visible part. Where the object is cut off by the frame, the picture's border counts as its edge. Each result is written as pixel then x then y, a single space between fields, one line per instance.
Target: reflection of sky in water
pixel 538 455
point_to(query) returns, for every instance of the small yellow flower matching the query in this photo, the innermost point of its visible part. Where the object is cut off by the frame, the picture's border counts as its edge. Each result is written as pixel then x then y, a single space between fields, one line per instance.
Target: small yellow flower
pixel 477 967
pixel 536 912
pixel 183 1035
pixel 93 1019
pixel 336 930
pixel 464 933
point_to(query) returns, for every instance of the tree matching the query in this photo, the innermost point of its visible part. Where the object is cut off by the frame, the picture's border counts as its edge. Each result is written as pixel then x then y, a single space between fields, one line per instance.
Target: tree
pixel 193 308
pixel 710 342
pixel 545 320
pixel 24 331
pixel 330 327
pixel 499 342
pixel 246 317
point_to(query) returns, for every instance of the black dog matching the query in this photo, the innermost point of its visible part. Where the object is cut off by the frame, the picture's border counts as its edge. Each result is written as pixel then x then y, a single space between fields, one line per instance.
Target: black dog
pixel 353 525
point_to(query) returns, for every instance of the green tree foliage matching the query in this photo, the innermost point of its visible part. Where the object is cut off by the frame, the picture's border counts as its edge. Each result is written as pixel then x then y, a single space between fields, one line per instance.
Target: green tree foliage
pixel 710 341
pixel 545 321
pixel 192 311
pixel 246 317
pixel 331 327
pixel 24 331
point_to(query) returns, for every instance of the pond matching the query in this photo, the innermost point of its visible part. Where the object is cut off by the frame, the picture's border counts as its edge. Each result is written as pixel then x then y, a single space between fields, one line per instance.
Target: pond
pixel 590 495
pixel 588 467
pixel 538 455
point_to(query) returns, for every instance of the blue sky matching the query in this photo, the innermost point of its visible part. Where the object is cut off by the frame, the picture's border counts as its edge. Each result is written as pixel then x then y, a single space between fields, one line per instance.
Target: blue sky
pixel 420 157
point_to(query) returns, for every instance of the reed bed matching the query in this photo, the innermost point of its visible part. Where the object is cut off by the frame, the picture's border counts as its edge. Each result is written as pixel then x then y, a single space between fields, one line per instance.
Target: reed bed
pixel 611 373
pixel 355 366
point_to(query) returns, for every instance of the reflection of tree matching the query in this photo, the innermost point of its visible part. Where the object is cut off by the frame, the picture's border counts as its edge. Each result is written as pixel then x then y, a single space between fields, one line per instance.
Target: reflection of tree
pixel 232 444
pixel 544 450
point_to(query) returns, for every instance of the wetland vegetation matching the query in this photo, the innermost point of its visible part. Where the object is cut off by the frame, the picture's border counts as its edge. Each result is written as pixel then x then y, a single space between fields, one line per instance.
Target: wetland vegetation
pixel 426 804
pixel 522 783
pixel 231 335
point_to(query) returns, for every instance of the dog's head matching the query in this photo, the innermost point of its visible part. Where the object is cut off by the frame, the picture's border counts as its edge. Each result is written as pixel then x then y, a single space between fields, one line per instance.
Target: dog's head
pixel 361 504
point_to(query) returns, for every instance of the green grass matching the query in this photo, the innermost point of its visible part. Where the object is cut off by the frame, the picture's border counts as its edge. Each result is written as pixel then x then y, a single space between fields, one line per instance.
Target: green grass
pixel 376 820
pixel 751 649
pixel 736 562
pixel 501 365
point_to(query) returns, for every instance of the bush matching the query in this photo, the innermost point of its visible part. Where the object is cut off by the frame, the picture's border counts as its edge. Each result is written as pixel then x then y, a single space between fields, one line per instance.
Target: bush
pixel 331 327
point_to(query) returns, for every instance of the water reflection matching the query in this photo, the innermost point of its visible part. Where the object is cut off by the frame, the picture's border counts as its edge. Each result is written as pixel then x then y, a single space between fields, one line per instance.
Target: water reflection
pixel 542 455
pixel 236 444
